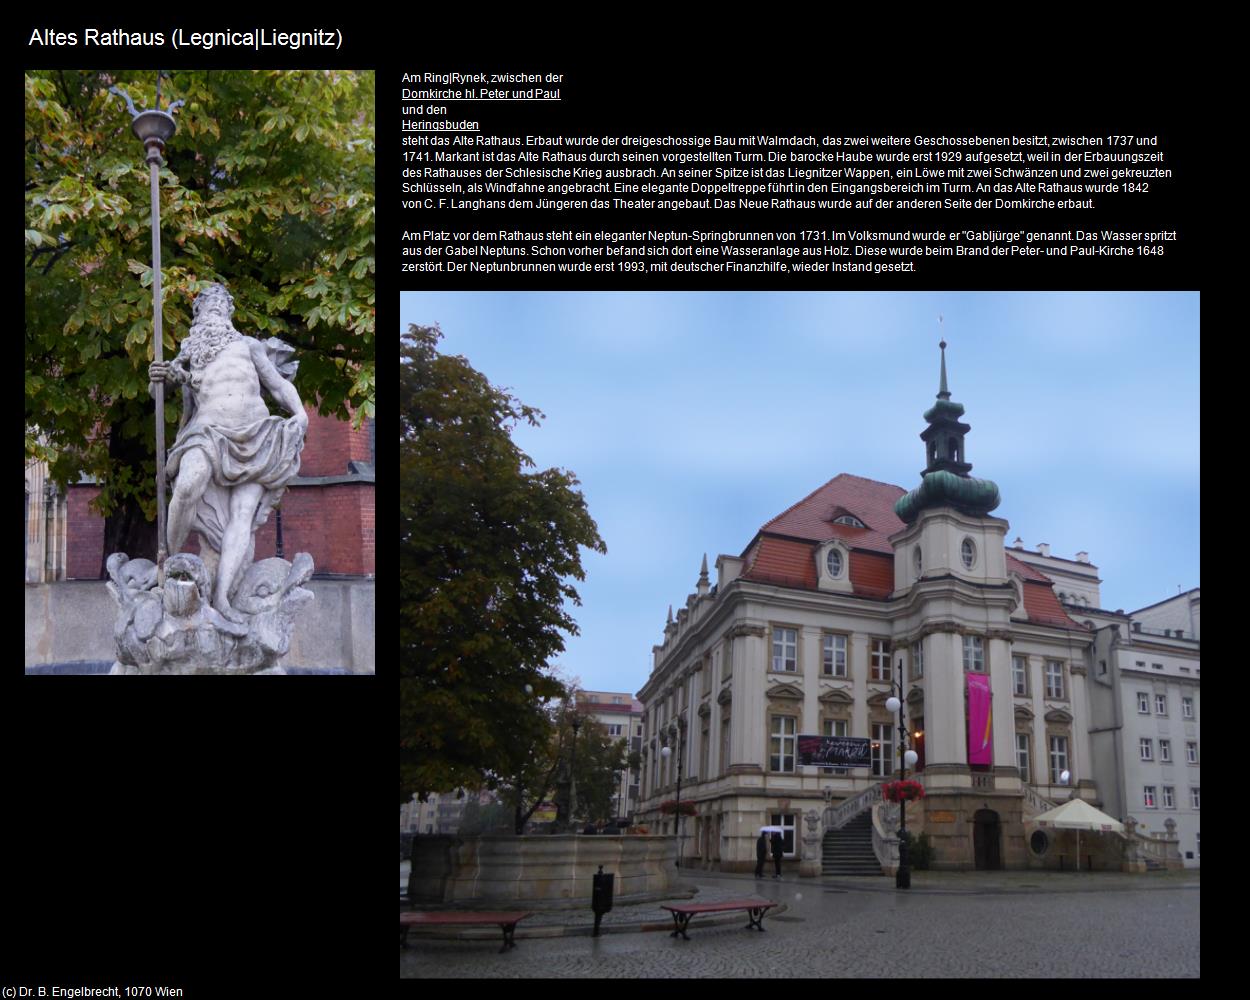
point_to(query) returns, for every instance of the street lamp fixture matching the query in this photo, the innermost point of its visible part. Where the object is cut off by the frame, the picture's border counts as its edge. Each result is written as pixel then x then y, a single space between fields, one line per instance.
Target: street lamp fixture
pixel 677 731
pixel 902 879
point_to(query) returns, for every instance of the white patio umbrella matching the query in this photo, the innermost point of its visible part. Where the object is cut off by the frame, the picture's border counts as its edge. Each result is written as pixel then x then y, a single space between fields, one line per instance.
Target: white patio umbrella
pixel 1078 815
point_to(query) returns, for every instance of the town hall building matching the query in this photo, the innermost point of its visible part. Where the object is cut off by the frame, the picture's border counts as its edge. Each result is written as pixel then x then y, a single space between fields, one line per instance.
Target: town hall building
pixel 858 591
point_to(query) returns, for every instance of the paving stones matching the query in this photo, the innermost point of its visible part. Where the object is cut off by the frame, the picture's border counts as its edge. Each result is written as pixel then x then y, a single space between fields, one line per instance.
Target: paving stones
pixel 1005 930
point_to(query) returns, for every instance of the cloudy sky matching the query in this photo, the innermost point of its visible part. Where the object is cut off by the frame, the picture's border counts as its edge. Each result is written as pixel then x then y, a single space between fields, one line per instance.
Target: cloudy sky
pixel 691 419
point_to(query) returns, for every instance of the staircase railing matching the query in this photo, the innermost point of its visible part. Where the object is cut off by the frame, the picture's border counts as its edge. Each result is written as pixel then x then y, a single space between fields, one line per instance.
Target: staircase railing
pixel 836 817
pixel 1036 802
pixel 885 845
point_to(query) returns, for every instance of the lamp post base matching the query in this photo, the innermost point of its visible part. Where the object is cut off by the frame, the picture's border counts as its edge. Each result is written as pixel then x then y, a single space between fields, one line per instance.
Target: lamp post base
pixel 902 878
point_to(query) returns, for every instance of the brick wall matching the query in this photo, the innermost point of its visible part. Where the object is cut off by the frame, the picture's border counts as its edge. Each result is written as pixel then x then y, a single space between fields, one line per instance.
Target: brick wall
pixel 333 523
pixel 84 534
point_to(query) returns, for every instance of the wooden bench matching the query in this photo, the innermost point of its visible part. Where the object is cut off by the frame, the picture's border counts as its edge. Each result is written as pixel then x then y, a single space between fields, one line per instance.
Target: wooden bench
pixel 506 921
pixel 755 908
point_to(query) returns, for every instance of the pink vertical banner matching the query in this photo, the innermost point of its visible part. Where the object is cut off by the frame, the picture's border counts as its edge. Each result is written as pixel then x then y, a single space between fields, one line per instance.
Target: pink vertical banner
pixel 980 726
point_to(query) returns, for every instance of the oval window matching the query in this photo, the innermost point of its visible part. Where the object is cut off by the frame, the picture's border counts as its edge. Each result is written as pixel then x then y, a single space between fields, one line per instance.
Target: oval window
pixel 1039 842
pixel 833 562
pixel 969 553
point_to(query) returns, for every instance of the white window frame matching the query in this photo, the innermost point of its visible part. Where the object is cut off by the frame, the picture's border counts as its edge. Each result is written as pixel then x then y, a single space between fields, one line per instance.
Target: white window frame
pixel 968 553
pixel 615 729
pixel 1143 703
pixel 1161 704
pixel 1191 752
pixel 1022 756
pixel 882 749
pixel 1145 747
pixel 1020 675
pixel 879 660
pixel 1187 708
pixel 1169 797
pixel 1165 751
pixel 832 573
pixel 1148 797
pixel 974 654
pixel 1058 746
pixel 831 654
pixel 917 660
pixel 780 819
pixel 1195 797
pixel 788 640
pixel 780 737
pixel 1055 686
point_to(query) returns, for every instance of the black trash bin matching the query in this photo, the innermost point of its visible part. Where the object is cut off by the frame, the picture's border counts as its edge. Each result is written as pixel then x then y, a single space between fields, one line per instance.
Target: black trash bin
pixel 601 895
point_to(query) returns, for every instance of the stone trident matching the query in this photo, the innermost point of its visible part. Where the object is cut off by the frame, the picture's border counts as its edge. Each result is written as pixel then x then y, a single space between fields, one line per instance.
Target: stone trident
pixel 153 127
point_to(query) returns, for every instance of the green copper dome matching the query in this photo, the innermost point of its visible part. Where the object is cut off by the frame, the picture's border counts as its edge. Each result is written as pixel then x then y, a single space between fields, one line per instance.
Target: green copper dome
pixel 945 489
pixel 945 481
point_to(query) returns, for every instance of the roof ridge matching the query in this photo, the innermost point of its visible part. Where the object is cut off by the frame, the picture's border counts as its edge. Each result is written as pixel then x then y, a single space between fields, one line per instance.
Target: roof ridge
pixel 825 485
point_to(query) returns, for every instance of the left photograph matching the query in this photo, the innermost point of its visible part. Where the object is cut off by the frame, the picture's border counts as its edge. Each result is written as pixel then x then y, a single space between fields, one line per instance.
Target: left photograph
pixel 199 377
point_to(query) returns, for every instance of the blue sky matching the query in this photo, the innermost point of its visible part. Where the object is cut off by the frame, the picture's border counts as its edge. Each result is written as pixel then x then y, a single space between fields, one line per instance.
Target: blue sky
pixel 691 419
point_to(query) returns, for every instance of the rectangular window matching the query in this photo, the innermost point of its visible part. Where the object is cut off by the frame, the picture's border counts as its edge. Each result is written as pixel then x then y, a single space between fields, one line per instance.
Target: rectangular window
pixel 785 649
pixel 729 660
pixel 705 749
pixel 781 757
pixel 1194 798
pixel 882 750
pixel 1165 751
pixel 1141 664
pixel 1191 753
pixel 836 727
pixel 1143 703
pixel 1146 748
pixel 1058 757
pixel 1022 755
pixel 1148 797
pixel 1019 675
pixel 1169 798
pixel 614 730
pixel 786 822
pixel 1161 704
pixel 1054 679
pixel 833 655
pixel 917 661
pixel 881 660
pixel 1187 708
pixel 618 701
pixel 974 653
pixel 724 744
pixel 1157 666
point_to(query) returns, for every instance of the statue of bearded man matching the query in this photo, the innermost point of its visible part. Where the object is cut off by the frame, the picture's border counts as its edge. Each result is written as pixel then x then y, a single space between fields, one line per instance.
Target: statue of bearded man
pixel 232 459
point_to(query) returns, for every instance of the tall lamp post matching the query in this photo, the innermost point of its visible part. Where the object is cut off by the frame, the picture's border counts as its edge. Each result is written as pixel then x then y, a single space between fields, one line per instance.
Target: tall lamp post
pixel 677 730
pixel 154 128
pixel 902 880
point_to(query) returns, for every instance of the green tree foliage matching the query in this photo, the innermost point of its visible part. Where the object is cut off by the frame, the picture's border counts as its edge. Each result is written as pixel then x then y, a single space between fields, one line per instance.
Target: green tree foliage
pixel 267 187
pixel 488 553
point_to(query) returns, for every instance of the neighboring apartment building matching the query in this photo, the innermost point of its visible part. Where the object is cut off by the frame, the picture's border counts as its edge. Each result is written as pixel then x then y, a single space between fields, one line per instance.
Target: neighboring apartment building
pixel 621 714
pixel 1146 711
pixel 855 589
pixel 441 813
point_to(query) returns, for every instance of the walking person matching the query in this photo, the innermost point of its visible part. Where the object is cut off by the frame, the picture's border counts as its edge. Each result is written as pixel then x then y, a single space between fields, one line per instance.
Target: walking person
pixel 761 854
pixel 778 850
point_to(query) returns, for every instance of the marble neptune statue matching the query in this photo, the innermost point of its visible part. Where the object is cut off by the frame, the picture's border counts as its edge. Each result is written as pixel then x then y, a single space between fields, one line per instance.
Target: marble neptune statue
pixel 219 612
pixel 232 459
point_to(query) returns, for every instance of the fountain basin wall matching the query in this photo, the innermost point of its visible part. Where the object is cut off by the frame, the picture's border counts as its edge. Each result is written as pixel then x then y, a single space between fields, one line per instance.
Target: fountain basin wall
pixel 542 869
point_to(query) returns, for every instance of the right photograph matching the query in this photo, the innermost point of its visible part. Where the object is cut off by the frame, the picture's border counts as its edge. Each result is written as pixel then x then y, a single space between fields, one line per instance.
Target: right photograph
pixel 898 581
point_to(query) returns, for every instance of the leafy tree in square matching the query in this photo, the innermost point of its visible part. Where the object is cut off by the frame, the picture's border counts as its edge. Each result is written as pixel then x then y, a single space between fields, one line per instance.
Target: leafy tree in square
pixel 267 187
pixel 488 552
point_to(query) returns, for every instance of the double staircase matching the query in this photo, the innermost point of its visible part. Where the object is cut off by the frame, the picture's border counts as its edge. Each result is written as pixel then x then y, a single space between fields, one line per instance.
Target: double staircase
pixel 848 851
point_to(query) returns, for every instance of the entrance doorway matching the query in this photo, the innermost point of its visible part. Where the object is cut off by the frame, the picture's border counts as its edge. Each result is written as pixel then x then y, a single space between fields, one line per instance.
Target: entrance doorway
pixel 986 840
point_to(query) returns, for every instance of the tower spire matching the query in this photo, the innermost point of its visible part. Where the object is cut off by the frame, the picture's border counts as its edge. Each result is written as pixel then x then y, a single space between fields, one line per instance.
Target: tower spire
pixel 943 392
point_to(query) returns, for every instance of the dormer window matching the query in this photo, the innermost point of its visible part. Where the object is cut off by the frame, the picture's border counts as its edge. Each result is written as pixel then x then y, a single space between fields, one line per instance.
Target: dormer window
pixel 833 563
pixel 850 519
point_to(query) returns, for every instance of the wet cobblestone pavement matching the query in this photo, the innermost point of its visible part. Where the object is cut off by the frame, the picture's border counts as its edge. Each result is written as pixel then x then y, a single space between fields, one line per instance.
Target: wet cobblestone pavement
pixel 949 924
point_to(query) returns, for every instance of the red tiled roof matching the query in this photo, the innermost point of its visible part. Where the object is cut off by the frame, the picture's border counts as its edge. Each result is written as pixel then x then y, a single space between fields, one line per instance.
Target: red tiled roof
pixel 1043 607
pixel 872 502
pixel 790 561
